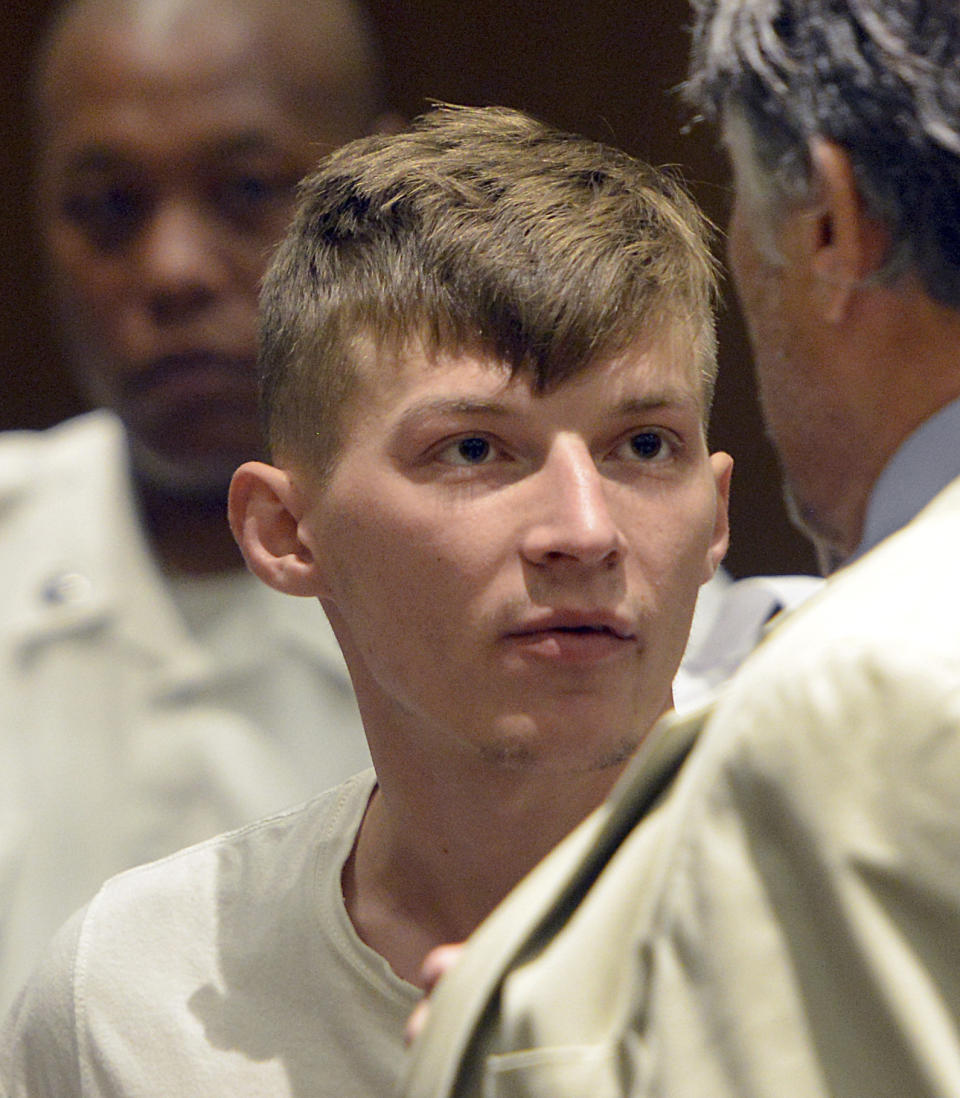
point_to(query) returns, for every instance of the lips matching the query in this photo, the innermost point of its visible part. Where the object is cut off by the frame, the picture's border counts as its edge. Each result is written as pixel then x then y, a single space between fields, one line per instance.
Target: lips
pixel 577 622
pixel 573 637
pixel 204 370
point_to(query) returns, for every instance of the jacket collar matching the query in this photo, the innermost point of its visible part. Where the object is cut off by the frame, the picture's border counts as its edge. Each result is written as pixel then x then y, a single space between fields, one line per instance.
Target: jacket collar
pixel 64 494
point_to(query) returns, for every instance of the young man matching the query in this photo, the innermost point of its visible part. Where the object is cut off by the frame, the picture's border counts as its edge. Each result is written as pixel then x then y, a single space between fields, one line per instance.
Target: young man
pixel 785 923
pixel 487 360
pixel 152 693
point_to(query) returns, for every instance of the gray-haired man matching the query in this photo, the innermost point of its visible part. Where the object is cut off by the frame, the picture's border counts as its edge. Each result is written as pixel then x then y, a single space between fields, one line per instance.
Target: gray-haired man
pixel 777 915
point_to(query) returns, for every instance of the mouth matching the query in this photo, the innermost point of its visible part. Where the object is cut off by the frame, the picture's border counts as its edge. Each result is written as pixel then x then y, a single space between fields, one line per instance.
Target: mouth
pixel 574 638
pixel 194 405
pixel 193 374
pixel 587 630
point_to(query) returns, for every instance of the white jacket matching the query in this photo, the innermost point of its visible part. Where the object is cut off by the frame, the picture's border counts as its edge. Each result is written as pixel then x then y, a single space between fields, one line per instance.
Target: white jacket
pixel 122 737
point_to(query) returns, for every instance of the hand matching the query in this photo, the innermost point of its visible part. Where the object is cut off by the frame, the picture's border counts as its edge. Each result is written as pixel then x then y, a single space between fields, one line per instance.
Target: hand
pixel 437 962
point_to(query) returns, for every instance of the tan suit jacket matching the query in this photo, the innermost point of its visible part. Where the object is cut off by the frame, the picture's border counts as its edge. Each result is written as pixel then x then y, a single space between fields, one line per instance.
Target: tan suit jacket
pixel 782 919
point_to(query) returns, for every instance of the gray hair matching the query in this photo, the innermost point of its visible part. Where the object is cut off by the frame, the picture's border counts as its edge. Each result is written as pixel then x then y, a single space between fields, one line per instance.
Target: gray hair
pixel 880 78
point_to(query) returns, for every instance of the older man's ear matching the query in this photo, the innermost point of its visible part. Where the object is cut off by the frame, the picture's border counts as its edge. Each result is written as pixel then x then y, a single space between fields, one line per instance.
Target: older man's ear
pixel 845 245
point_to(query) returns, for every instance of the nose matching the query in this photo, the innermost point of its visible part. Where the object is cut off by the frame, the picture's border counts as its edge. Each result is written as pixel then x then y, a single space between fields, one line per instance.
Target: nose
pixel 570 517
pixel 180 262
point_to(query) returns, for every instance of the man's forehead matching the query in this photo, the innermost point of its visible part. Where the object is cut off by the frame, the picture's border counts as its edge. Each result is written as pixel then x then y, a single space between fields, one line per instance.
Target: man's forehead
pixel 654 372
pixel 93 49
pixel 663 364
pixel 310 54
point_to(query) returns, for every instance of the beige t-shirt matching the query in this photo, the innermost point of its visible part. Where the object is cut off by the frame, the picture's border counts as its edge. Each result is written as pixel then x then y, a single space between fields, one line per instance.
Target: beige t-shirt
pixel 229 968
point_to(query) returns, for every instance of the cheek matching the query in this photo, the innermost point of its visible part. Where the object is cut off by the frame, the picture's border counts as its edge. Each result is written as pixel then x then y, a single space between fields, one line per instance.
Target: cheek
pixel 407 575
pixel 246 257
pixel 273 228
pixel 248 248
pixel 379 563
pixel 688 535
pixel 85 282
pixel 402 607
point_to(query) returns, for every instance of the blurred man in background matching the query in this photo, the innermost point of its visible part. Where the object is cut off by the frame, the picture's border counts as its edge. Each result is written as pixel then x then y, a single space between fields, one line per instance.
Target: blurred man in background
pixel 153 693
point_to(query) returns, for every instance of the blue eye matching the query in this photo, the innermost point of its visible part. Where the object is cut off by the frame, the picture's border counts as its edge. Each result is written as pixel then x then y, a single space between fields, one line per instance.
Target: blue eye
pixel 647 444
pixel 468 451
pixel 473 450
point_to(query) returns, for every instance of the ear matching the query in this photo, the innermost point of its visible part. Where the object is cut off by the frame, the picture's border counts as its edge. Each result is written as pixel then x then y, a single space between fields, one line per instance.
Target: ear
pixel 265 508
pixel 845 245
pixel 721 465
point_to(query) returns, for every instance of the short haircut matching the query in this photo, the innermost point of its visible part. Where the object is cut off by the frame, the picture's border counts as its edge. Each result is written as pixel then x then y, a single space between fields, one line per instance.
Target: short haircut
pixel 477 230
pixel 880 78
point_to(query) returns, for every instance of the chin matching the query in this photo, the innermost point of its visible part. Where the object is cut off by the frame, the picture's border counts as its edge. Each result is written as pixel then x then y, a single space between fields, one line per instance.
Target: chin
pixel 206 479
pixel 547 753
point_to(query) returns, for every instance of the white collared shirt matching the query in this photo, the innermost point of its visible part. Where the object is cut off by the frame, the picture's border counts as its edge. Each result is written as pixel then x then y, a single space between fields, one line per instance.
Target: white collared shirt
pixel 925 463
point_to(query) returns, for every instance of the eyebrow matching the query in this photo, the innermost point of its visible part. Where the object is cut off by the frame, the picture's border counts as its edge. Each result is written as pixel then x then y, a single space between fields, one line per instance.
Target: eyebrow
pixel 666 398
pixel 472 406
pixel 108 157
pixel 453 406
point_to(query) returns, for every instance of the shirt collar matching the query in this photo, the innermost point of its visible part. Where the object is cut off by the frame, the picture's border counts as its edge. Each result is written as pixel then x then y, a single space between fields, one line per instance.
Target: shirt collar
pixel 920 469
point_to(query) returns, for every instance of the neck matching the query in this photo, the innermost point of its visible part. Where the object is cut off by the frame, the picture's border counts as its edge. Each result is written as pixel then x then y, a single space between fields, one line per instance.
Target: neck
pixel 439 849
pixel 898 365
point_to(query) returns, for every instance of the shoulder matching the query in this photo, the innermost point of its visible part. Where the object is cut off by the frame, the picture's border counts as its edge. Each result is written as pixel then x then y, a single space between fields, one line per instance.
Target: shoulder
pixel 814 834
pixel 851 706
pixel 37 1041
pixel 158 941
pixel 92 436
pixel 65 504
pixel 255 864
pixel 73 466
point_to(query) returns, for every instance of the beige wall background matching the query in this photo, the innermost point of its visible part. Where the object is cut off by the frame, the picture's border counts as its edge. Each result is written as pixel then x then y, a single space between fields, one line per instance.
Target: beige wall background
pixel 607 68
